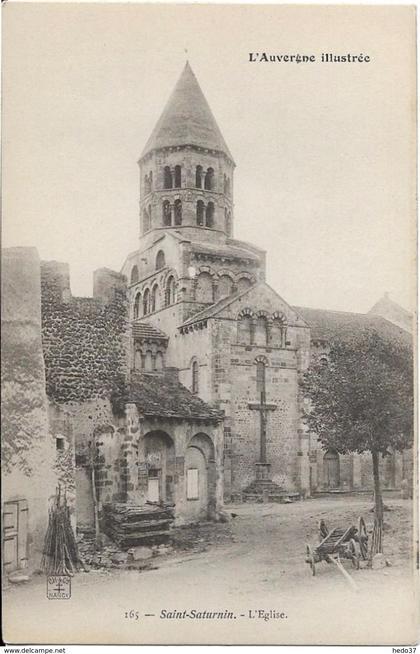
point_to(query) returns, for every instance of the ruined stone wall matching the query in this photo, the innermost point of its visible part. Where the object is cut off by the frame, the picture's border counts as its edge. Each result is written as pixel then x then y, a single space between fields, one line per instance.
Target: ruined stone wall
pixel 28 449
pixel 85 340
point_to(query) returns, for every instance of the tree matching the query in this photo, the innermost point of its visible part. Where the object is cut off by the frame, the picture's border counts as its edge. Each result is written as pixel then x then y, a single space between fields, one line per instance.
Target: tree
pixel 361 400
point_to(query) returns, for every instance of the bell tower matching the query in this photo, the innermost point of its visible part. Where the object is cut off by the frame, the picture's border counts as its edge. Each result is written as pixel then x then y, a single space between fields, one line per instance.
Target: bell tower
pixel 186 169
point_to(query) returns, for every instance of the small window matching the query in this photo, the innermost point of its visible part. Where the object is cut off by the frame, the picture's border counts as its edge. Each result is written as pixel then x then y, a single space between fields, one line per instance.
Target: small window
pixel 210 214
pixel 198 174
pixel 134 275
pixel 178 212
pixel 194 375
pixel 167 177
pixel 177 176
pixel 137 302
pixel 160 260
pixel 260 378
pixel 166 214
pixel 200 213
pixel 209 179
pixel 192 484
pixel 59 444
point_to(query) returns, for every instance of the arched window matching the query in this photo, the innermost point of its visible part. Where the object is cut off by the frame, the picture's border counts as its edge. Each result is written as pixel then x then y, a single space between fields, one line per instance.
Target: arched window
pixel 154 298
pixel 177 176
pixel 146 221
pixel 194 377
pixel 138 360
pixel 224 286
pixel 260 378
pixel 134 275
pixel 209 179
pixel 137 302
pixel 210 214
pixel 204 288
pixel 243 284
pixel 178 212
pixel 244 330
pixel 261 331
pixel 228 223
pixel 170 291
pixel 148 363
pixel 159 361
pixel 146 302
pixel 278 330
pixel 146 185
pixel 167 177
pixel 198 176
pixel 160 260
pixel 200 213
pixel 166 214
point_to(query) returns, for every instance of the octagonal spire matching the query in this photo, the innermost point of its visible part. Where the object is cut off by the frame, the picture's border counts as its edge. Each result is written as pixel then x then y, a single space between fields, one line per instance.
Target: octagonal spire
pixel 187 119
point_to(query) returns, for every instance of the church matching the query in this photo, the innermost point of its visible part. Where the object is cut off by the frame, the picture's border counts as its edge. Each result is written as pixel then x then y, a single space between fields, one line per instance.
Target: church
pixel 199 301
pixel 177 383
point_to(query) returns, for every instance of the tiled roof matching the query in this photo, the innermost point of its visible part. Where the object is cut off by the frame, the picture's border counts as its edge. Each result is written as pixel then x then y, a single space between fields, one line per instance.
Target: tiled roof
pixel 145 330
pixel 161 394
pixel 224 250
pixel 187 119
pixel 326 324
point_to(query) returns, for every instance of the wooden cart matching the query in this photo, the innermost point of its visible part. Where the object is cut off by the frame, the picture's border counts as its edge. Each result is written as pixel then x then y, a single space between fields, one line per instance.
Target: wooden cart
pixel 336 544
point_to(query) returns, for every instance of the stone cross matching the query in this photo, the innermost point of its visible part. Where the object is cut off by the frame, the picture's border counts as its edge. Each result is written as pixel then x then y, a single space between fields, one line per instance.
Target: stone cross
pixel 263 408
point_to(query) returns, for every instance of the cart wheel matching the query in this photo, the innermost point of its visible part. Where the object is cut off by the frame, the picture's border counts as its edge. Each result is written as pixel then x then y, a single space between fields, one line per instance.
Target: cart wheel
pixel 363 538
pixel 355 559
pixel 310 559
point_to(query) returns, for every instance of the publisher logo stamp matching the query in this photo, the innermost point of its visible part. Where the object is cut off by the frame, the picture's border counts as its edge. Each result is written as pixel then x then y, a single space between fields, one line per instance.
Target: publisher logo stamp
pixel 58 587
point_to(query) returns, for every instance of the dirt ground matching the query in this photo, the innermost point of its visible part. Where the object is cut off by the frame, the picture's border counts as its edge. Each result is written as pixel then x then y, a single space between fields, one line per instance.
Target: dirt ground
pixel 254 562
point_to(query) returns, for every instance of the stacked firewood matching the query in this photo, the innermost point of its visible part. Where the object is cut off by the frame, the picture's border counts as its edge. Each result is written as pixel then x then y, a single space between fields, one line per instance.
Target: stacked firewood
pixel 129 525
pixel 60 554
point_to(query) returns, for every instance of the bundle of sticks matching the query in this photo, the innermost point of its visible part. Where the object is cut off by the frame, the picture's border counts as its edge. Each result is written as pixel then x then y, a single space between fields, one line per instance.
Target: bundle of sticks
pixel 60 554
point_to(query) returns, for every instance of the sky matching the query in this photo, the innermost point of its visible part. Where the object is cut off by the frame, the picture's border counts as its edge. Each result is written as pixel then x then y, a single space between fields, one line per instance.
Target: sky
pixel 324 152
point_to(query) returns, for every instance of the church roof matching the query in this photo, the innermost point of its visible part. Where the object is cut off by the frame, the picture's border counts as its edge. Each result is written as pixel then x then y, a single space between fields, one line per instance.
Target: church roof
pixel 392 312
pixel 145 330
pixel 326 324
pixel 224 250
pixel 187 119
pixel 162 395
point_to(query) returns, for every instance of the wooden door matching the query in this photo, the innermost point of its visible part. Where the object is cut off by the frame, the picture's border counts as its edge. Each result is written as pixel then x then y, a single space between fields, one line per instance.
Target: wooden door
pixel 331 470
pixel 15 535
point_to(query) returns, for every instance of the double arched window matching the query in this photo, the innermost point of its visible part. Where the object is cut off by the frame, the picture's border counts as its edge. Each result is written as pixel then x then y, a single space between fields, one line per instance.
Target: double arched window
pixel 205 214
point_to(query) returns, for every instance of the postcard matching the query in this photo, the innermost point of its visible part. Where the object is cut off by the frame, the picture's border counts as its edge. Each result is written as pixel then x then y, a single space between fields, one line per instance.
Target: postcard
pixel 208 325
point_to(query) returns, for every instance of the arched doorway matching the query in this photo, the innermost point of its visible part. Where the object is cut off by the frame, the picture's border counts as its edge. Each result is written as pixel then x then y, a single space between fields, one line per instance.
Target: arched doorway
pixel 200 477
pixel 331 469
pixel 160 465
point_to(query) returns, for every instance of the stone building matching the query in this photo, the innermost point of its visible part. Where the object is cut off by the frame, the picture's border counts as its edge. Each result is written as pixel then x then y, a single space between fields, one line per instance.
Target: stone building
pixel 177 383
pixel 199 301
